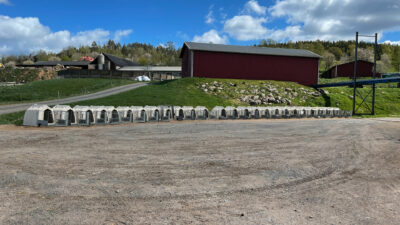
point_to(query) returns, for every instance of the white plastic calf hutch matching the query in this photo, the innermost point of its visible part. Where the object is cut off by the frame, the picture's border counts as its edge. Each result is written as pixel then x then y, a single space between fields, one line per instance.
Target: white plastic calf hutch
pixel 83 115
pixel 268 112
pixel 100 114
pixel 125 114
pixel 231 112
pixel 152 113
pixel 189 113
pixel 254 112
pixel 138 114
pixel 243 112
pixel 64 115
pixel 218 112
pixel 165 112
pixel 201 113
pixel 112 114
pixel 178 113
pixel 38 115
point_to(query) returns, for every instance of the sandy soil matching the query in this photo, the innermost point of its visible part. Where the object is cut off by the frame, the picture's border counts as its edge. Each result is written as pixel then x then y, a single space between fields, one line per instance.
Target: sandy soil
pixel 333 171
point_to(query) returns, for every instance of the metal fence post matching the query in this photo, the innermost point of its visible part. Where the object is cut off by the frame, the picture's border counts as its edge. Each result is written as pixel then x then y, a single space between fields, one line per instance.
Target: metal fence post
pixel 355 74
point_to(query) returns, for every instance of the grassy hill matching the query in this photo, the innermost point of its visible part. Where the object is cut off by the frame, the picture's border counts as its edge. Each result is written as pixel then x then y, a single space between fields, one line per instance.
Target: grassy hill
pixel 222 92
pixel 213 92
pixel 55 88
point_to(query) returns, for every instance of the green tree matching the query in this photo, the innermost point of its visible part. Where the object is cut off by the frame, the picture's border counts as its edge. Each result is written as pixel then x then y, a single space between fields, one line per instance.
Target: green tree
pixel 41 56
pixel 94 47
pixel 65 58
pixel 329 59
pixel 337 52
pixel 396 58
pixel 144 61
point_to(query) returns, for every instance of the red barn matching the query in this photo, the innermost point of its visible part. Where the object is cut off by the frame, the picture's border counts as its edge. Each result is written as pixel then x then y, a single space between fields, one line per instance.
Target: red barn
pixel 364 69
pixel 251 63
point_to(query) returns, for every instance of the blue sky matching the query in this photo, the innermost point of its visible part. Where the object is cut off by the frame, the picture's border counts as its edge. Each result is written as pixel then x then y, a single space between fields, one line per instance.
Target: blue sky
pixel 27 26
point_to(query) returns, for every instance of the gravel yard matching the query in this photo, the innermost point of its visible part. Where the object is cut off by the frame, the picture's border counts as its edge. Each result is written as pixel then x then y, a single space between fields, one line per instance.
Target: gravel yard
pixel 310 171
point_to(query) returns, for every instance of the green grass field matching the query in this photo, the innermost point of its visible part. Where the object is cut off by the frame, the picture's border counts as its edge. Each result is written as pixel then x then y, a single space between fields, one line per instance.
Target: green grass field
pixel 56 88
pixel 173 92
pixel 187 92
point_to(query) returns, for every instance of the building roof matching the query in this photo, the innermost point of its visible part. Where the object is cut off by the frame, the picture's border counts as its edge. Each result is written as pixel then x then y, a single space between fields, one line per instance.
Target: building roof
pixel 351 62
pixel 118 61
pixel 152 68
pixel 249 50
pixel 55 63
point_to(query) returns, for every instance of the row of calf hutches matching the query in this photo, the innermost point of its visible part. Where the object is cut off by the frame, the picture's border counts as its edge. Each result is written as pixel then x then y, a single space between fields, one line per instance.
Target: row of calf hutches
pixel 64 115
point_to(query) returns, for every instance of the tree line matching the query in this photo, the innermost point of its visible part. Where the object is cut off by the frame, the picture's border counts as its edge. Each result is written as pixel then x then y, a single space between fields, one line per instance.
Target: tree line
pixel 332 52
pixel 338 52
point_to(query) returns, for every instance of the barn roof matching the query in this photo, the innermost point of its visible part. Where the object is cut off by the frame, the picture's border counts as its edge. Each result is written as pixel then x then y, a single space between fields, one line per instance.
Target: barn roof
pixel 152 68
pixel 55 63
pixel 119 61
pixel 249 50
pixel 352 62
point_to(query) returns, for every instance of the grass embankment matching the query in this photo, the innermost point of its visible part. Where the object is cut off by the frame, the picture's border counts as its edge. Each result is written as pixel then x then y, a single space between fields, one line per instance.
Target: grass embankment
pixel 191 92
pixel 173 92
pixel 56 88
pixel 12 118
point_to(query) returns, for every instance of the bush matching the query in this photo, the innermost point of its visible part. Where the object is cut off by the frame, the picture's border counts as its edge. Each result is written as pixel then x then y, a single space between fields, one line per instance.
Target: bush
pixel 10 74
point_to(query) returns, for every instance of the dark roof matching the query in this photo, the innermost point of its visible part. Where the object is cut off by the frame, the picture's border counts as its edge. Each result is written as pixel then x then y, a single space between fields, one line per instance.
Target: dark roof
pixel 351 62
pixel 118 61
pixel 249 50
pixel 55 63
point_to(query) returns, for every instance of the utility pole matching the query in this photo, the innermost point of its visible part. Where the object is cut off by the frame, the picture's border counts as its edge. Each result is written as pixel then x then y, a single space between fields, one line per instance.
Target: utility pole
pixel 373 86
pixel 355 74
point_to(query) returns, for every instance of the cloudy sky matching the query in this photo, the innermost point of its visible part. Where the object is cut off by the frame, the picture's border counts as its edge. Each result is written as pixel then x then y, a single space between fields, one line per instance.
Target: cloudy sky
pixel 29 26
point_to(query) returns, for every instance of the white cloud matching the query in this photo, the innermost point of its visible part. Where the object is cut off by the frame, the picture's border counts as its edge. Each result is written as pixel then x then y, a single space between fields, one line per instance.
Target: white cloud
pixel 314 19
pixel 392 42
pixel 5 2
pixel 182 35
pixel 246 27
pixel 336 19
pixel 290 31
pixel 253 6
pixel 210 17
pixel 211 36
pixel 27 35
pixel 119 34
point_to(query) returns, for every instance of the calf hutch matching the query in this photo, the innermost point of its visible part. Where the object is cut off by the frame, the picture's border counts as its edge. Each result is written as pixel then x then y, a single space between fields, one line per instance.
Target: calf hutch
pixel 38 115
pixel 251 63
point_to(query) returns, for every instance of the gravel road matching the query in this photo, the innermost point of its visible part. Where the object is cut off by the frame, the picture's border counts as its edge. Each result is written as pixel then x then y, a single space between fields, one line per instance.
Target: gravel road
pixel 325 171
pixel 4 109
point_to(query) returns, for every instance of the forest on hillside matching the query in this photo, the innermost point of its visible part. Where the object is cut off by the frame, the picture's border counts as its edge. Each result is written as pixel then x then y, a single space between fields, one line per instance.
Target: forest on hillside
pixel 338 52
pixel 333 53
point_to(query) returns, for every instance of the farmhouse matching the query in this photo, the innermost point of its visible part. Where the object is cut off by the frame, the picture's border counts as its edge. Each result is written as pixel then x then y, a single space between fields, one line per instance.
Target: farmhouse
pixel 364 69
pixel 252 63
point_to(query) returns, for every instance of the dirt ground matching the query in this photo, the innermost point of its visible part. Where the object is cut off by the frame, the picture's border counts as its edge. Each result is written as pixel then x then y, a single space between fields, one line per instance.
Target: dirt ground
pixel 327 171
